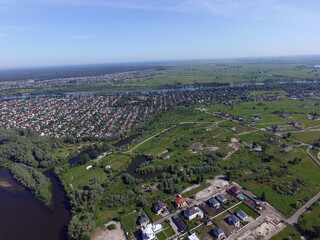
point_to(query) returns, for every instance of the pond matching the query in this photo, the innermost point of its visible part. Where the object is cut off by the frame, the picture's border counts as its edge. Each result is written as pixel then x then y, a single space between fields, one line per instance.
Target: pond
pixel 127 140
pixel 135 164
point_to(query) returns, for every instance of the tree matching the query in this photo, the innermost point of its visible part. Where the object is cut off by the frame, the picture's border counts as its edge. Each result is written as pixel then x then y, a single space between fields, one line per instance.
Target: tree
pixel 112 227
pixel 229 176
pixel 84 159
pixel 263 196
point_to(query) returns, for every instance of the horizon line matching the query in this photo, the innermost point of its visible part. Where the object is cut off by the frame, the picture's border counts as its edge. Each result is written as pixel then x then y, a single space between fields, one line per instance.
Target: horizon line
pixel 152 61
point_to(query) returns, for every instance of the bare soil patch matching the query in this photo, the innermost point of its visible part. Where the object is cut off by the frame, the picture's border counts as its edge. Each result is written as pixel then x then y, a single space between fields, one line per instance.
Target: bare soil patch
pixel 269 227
pixel 105 233
pixel 233 144
pixel 217 185
pixel 198 146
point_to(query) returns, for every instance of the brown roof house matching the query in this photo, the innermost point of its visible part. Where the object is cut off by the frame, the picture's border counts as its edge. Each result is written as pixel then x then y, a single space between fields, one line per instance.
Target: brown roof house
pixel 180 201
pixel 235 190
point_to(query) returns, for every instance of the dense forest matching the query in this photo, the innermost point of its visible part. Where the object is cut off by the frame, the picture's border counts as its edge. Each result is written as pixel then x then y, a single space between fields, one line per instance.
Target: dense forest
pixel 27 147
pixel 34 181
pixel 23 151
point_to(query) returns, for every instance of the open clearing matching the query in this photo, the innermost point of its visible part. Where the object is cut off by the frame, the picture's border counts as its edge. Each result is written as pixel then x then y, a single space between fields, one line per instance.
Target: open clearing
pixel 103 234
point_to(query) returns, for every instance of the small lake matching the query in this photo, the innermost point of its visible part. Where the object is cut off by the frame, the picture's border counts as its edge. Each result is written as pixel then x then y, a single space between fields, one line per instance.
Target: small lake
pixel 77 159
pixel 25 217
pixel 127 140
pixel 135 164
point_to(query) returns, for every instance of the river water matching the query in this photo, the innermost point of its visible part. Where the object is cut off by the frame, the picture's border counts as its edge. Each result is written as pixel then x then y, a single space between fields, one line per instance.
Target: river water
pixel 24 217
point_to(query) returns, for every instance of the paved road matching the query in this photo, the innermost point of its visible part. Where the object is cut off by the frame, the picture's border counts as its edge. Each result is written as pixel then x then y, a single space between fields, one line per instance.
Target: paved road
pixel 293 220
pixel 310 154
pixel 130 151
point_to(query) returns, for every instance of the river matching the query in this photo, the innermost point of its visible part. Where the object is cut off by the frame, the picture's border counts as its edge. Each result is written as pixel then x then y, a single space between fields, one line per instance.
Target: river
pixel 25 217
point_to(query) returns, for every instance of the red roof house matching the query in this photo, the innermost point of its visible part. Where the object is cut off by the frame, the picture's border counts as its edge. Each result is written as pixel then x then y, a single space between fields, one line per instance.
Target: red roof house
pixel 180 201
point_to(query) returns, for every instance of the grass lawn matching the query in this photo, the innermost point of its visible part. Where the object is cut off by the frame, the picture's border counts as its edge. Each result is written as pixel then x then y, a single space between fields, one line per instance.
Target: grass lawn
pixel 169 232
pixel 195 190
pixel 79 176
pixel 246 209
pixel 165 224
pixel 129 222
pixel 308 220
pixel 288 233
pixel 205 231
pixel 307 170
pixel 161 236
pixel 306 137
pixel 154 217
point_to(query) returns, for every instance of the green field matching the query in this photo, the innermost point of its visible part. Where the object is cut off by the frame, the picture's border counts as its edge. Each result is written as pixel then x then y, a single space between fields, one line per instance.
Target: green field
pixel 246 209
pixel 288 232
pixel 194 139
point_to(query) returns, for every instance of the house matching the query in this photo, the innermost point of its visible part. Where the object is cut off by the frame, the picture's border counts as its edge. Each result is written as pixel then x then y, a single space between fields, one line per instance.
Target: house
pixel 276 128
pixel 208 222
pixel 225 114
pixel 241 119
pixel 193 237
pixel 241 215
pixel 180 201
pixel 159 207
pixel 315 118
pixel 143 220
pixel 294 123
pixel 284 115
pixel 213 202
pixel 233 220
pixel 182 227
pixel 218 232
pixel 221 198
pixel 304 106
pixel 255 118
pixel 149 231
pixel 193 212
pixel 235 190
pixel 274 140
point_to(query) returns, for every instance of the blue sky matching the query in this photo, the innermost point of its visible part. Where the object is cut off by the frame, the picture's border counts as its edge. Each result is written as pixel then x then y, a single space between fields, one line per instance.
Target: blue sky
pixel 66 32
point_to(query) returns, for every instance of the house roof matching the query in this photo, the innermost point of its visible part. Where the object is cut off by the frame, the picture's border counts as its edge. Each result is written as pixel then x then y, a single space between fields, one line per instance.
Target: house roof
pixel 218 231
pixel 235 190
pixel 241 214
pixel 191 211
pixel 179 200
pixel 159 205
pixel 233 218
pixel 221 198
pixel 143 218
pixel 180 224
pixel 193 237
pixel 213 201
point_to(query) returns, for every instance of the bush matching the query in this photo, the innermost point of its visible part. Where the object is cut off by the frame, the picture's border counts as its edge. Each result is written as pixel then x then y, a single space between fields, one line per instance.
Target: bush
pixel 112 227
